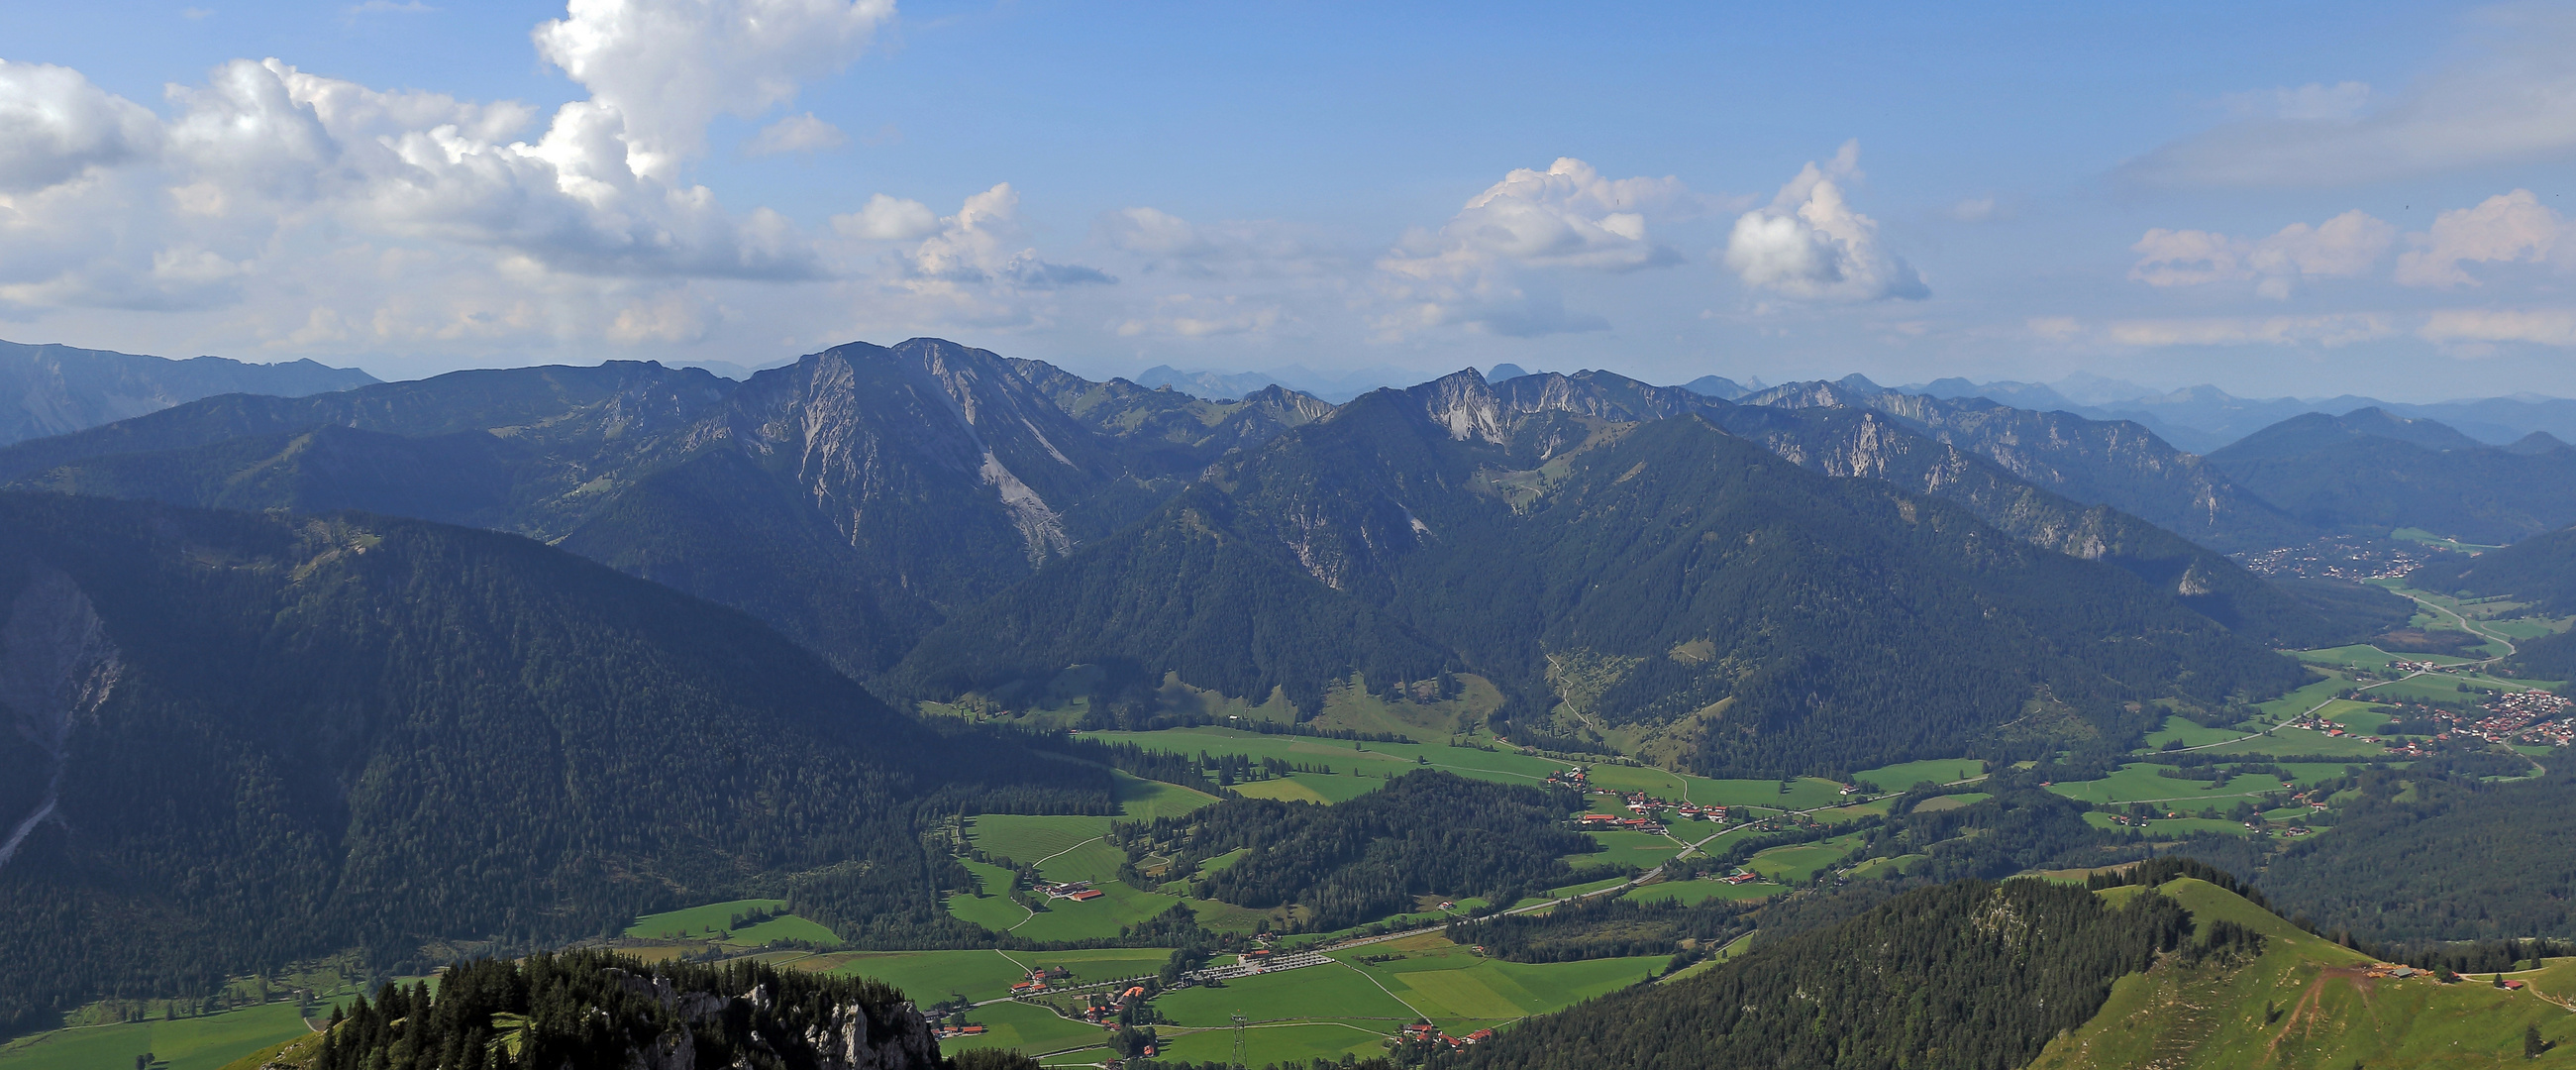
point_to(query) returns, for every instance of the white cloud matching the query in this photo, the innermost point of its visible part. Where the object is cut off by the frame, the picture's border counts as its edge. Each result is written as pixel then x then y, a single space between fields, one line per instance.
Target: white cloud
pixel 2506 228
pixel 886 218
pixel 2542 326
pixel 2345 246
pixel 974 246
pixel 1480 269
pixel 796 133
pixel 1809 244
pixel 55 126
pixel 272 208
pixel 1567 216
pixel 668 67
pixel 2510 98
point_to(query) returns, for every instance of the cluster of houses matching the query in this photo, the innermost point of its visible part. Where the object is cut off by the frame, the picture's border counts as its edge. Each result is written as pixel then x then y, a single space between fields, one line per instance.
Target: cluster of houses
pixel 1739 875
pixel 1616 823
pixel 2535 716
pixel 1103 1010
pixel 1649 808
pixel 1078 891
pixel 952 1032
pixel 1427 1033
pixel 1037 980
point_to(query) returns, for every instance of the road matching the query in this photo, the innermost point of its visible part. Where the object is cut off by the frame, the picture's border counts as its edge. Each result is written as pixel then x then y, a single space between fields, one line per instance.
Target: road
pixel 2456 618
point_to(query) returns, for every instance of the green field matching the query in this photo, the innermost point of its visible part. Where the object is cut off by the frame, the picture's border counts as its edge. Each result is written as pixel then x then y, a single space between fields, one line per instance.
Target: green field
pixel 1328 993
pixel 1371 763
pixel 2138 782
pixel 2364 656
pixel 1461 990
pixel 1938 803
pixel 1032 840
pixel 1032 1029
pixel 1145 800
pixel 1904 775
pixel 991 909
pixel 2189 734
pixel 1640 849
pixel 701 922
pixel 2362 717
pixel 2305 698
pixel 1701 891
pixel 1282 1043
pixel 1100 918
pixel 205 1043
pixel 1311 787
pixel 1799 864
pixel 1883 867
pixel 2300 742
pixel 2444 541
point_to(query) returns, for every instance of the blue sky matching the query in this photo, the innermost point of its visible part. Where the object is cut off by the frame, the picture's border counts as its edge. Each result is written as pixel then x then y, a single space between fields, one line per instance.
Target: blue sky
pixel 2293 198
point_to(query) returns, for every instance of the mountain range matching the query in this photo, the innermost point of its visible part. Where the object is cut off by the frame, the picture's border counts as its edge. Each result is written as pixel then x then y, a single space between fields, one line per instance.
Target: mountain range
pixel 929 517
pixel 53 389
pixel 2204 418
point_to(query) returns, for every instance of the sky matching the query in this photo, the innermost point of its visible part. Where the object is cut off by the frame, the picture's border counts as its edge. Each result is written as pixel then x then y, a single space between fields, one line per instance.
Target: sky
pixel 2295 198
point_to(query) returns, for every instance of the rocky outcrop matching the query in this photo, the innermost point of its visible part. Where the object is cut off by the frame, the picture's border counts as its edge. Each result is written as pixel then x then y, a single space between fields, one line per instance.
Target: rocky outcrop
pixel 2098 462
pixel 56 667
pixel 847 1036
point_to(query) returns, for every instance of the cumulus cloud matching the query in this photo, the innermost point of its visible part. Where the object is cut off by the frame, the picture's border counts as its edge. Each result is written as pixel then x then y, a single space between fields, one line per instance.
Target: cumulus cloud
pixel 289 210
pixel 56 126
pixel 2511 98
pixel 1809 243
pixel 2345 246
pixel 886 218
pixel 1483 267
pixel 796 133
pixel 975 246
pixel 2506 228
pixel 1567 216
pixel 665 68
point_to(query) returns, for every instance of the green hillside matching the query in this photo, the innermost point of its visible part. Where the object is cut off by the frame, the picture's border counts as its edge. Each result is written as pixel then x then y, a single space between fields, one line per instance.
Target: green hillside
pixel 245 739
pixel 1665 578
pixel 2303 1002
pixel 2372 473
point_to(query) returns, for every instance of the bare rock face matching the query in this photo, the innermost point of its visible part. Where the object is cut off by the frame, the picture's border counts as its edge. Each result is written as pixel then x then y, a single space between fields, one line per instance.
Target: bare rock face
pixel 848 1038
pixel 2105 462
pixel 879 439
pixel 56 665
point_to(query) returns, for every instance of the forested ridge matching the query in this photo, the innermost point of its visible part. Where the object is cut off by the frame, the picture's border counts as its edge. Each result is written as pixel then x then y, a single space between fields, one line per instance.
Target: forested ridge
pixel 1699 566
pixel 1969 975
pixel 2370 472
pixel 862 501
pixel 281 737
pixel 1427 832
pixel 591 1010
